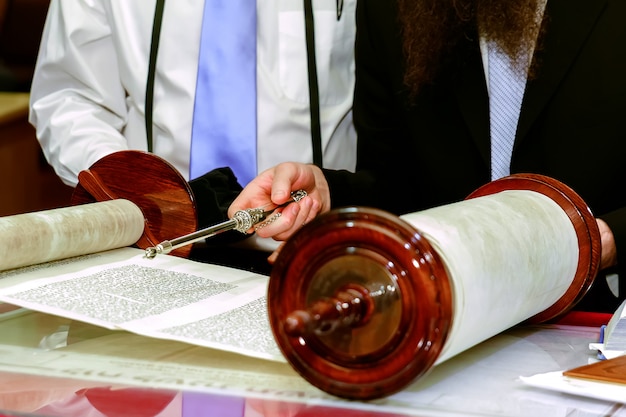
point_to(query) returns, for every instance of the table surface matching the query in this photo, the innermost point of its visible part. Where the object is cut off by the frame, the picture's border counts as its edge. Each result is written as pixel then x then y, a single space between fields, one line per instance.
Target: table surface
pixel 52 366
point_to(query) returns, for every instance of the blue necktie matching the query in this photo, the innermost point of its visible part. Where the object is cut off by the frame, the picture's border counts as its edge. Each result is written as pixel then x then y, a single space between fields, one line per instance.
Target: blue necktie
pixel 224 121
pixel 506 90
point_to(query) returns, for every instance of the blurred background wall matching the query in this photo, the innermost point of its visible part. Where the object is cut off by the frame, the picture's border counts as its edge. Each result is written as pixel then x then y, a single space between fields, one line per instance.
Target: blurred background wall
pixel 27 183
pixel 21 23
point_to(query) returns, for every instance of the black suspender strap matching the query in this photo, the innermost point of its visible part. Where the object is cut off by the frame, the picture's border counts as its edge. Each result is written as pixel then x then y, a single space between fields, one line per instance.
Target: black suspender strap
pixel 314 100
pixel 154 48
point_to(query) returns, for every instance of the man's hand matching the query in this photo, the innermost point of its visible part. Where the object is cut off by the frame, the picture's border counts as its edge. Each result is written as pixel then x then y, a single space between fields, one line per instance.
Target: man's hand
pixel 609 252
pixel 274 187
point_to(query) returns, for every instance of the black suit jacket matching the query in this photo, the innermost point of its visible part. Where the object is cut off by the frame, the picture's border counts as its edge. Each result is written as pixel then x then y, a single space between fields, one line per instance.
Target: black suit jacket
pixel 436 150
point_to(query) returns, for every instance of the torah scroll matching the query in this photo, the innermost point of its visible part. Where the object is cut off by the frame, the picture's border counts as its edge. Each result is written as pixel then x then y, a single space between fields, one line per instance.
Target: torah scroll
pixel 363 302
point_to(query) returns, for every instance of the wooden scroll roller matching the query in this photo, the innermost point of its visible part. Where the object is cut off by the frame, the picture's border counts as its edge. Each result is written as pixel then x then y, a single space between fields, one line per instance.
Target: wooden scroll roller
pixel 362 303
pixel 152 184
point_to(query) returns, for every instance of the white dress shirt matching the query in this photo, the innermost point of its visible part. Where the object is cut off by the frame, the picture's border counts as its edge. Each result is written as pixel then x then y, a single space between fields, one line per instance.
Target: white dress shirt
pixel 88 91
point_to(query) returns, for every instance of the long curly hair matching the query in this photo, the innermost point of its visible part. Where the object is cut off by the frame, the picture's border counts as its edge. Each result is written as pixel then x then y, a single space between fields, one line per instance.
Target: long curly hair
pixel 438 34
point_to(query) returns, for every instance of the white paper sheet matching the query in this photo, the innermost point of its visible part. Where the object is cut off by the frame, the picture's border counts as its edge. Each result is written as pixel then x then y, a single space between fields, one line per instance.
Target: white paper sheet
pixel 166 297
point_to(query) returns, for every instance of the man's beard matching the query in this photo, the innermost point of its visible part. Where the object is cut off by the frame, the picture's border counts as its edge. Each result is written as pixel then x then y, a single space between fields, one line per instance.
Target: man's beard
pixel 439 34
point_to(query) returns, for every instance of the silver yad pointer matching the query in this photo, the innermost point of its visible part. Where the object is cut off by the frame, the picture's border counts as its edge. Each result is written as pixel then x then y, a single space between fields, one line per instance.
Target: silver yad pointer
pixel 242 221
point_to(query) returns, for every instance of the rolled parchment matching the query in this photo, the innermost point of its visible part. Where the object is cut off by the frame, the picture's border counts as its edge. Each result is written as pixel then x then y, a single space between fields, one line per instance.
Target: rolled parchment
pixel 44 236
pixel 509 256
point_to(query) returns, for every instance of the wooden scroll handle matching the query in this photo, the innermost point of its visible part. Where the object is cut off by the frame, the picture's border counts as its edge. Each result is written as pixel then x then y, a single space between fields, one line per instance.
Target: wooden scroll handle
pixel 361 305
pixel 153 184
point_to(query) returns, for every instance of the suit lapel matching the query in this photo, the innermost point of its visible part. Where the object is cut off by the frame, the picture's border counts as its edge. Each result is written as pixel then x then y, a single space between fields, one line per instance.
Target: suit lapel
pixel 473 101
pixel 569 25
